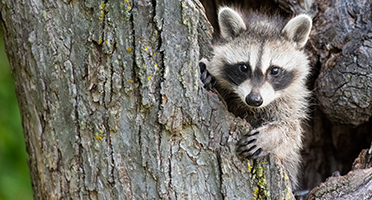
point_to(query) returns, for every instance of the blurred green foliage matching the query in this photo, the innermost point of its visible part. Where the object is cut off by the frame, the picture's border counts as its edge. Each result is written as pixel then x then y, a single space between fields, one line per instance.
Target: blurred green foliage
pixel 15 180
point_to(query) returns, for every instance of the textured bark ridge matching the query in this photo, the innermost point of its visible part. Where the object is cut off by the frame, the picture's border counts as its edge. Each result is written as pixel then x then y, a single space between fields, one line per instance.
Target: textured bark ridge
pixel 357 184
pixel 113 108
pixel 296 7
pixel 342 38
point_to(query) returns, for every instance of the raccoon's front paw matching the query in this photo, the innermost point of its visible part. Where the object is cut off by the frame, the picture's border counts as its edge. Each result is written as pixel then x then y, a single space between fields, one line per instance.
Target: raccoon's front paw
pixel 208 80
pixel 249 146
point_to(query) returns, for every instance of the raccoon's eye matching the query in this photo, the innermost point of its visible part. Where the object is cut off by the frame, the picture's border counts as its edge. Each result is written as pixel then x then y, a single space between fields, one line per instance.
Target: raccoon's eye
pixel 275 70
pixel 243 68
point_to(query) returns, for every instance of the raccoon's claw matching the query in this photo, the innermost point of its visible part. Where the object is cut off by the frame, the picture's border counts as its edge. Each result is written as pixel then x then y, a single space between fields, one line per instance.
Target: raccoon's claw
pixel 250 149
pixel 257 153
pixel 208 80
pixel 254 133
pixel 202 66
pixel 247 147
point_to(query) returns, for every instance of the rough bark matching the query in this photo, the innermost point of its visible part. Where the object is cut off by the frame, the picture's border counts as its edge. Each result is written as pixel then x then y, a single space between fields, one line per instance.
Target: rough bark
pixel 112 106
pixel 340 54
pixel 342 38
pixel 357 184
pixel 297 7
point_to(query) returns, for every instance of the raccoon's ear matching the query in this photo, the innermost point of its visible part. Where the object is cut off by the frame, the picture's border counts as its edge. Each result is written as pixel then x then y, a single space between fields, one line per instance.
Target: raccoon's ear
pixel 231 23
pixel 298 29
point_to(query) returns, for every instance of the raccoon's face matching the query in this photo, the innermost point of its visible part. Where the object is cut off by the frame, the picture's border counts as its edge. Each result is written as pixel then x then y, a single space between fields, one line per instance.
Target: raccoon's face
pixel 258 68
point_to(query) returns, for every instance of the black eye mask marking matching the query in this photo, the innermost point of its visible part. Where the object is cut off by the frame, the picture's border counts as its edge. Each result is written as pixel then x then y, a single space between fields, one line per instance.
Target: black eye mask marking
pixel 237 73
pixel 279 77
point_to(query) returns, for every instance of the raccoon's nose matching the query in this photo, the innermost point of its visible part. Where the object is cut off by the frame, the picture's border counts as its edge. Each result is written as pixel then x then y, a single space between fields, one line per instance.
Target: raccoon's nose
pixel 254 100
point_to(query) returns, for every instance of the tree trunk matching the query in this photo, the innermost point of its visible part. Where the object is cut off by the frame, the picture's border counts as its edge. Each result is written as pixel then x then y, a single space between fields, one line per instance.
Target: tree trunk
pixel 112 106
pixel 343 42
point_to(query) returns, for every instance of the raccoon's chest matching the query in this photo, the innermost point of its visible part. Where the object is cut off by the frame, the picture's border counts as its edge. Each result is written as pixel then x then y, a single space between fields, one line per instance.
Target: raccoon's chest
pixel 257 119
pixel 254 117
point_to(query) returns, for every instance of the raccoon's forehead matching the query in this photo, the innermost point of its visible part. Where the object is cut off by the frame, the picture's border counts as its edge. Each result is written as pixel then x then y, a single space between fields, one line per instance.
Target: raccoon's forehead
pixel 244 51
pixel 258 54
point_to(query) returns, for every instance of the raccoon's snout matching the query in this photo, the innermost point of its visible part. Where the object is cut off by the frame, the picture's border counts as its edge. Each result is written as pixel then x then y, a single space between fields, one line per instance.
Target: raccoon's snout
pixel 254 99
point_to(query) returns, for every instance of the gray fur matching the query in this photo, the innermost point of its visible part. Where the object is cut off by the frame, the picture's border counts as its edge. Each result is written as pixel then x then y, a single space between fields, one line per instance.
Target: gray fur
pixel 231 23
pixel 298 29
pixel 262 43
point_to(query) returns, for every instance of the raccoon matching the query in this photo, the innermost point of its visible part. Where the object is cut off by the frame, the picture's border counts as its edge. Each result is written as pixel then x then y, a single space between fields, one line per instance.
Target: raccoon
pixel 260 70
